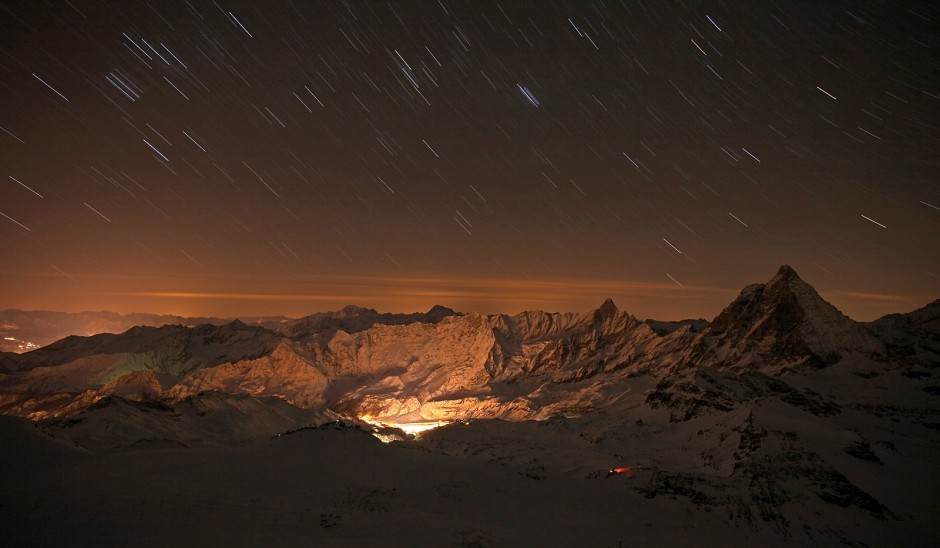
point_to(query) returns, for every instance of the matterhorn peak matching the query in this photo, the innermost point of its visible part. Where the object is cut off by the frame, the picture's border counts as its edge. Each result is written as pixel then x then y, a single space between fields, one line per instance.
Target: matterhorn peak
pixel 781 324
pixel 784 295
pixel 785 274
pixel 609 305
pixel 787 286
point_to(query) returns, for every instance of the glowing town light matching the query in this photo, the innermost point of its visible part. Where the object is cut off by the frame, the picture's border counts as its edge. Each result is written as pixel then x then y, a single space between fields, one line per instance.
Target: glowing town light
pixel 410 428
pixel 415 428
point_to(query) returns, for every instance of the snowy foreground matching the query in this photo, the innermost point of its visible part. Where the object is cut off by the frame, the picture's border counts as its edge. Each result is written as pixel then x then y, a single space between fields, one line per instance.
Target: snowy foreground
pixel 767 473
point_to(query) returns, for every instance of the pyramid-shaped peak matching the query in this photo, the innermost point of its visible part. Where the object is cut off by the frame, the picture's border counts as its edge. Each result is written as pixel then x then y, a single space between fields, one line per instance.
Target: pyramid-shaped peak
pixel 609 306
pixel 786 274
pixel 785 322
pixel 438 313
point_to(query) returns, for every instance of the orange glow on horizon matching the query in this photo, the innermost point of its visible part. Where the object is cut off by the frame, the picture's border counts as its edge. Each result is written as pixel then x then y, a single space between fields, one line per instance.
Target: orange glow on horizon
pixel 482 295
pixel 297 296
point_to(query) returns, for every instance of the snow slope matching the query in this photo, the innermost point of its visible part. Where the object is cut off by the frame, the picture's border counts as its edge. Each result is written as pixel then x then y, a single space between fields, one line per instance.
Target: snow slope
pixel 766 468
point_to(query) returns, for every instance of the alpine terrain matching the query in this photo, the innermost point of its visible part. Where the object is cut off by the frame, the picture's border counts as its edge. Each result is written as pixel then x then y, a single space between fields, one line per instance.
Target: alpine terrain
pixel 779 422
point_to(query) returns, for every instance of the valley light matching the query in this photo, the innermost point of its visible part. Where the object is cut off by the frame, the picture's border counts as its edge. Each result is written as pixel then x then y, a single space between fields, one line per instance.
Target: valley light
pixel 410 428
pixel 415 428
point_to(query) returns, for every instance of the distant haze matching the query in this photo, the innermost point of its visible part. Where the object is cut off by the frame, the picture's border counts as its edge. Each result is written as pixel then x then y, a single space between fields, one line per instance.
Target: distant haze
pixel 662 300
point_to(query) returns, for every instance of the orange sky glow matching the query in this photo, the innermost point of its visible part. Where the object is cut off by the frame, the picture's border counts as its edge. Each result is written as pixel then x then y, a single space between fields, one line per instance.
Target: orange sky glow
pixel 296 296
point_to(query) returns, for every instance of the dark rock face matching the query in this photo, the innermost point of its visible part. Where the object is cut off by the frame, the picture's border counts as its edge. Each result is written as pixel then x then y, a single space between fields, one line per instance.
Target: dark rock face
pixel 686 399
pixel 694 393
pixel 778 326
pixel 766 313
pixel 353 319
pixel 862 450
pixel 773 485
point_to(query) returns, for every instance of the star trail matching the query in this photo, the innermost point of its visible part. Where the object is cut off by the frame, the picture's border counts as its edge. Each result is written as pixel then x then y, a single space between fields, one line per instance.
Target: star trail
pixel 245 158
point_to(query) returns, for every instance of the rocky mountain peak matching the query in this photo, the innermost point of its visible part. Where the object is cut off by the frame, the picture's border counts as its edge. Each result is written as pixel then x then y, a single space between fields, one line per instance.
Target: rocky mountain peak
pixel 351 310
pixel 605 314
pixel 438 312
pixel 785 296
pixel 784 323
pixel 445 362
pixel 785 274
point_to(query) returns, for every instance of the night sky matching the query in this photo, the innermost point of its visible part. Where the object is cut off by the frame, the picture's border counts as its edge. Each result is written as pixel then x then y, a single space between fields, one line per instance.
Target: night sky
pixel 247 158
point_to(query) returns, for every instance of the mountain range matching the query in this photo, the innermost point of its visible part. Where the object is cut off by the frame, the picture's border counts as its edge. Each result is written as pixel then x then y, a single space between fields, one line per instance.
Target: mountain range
pixel 789 420
pixel 441 365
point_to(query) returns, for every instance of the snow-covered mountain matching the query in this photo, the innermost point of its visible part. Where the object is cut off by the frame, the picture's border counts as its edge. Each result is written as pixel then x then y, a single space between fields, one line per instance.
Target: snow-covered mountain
pixel 911 336
pixel 22 330
pixel 780 325
pixel 780 422
pixel 443 365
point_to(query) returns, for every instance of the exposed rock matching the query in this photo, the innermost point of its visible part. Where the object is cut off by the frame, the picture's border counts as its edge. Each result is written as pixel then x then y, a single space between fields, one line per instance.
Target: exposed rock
pixel 444 365
pixel 779 326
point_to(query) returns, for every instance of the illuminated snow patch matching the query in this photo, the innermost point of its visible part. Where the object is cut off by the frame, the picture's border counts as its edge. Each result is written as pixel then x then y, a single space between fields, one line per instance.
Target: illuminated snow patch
pixel 410 428
pixel 415 428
